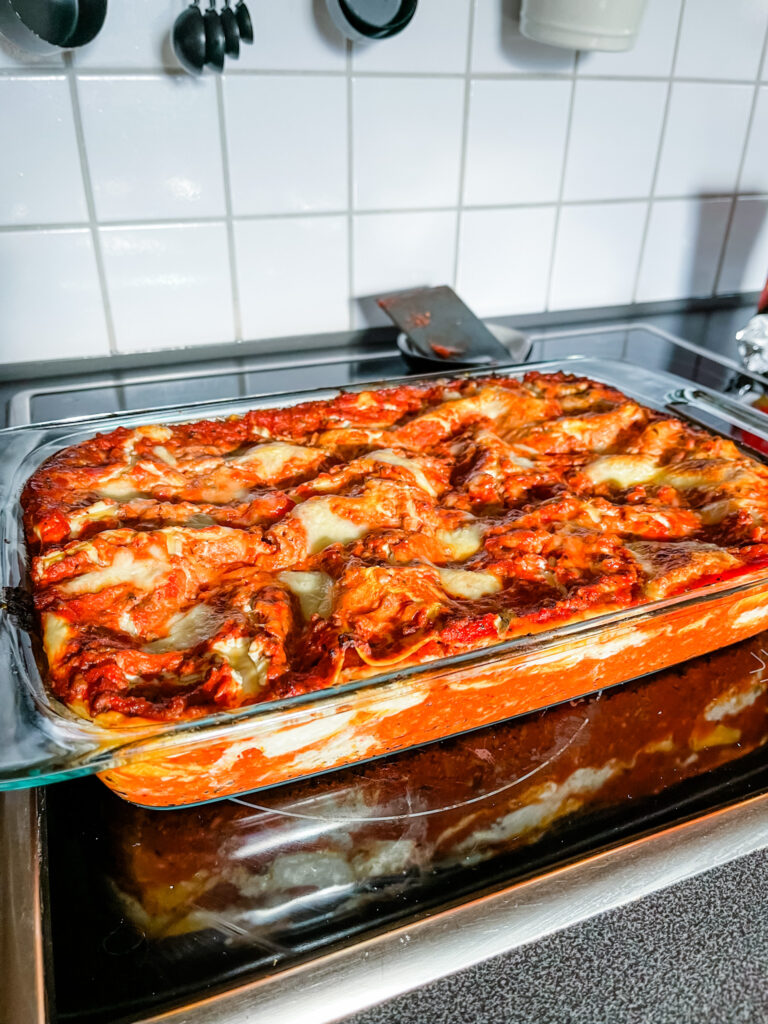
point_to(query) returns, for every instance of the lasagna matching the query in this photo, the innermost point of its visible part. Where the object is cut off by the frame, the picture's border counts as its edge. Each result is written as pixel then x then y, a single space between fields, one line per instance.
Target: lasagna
pixel 184 569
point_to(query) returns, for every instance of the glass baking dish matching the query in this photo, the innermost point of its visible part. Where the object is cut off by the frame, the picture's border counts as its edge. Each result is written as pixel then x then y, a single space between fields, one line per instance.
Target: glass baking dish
pixel 175 764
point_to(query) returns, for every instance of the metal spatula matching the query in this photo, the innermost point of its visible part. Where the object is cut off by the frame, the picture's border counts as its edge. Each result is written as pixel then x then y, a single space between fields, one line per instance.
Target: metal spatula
pixel 442 329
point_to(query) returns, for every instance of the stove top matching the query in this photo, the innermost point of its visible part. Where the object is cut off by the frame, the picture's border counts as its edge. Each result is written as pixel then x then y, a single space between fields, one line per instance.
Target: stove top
pixel 319 941
pixel 86 394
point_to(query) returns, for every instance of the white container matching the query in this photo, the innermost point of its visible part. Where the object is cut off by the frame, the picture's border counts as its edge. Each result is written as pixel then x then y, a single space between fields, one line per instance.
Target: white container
pixel 583 24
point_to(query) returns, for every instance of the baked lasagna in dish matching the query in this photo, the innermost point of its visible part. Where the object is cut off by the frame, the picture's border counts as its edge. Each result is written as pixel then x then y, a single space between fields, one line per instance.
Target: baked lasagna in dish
pixel 183 569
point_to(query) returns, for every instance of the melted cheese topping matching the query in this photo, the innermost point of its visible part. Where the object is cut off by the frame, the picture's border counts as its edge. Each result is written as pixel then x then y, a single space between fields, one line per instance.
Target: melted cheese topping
pixel 143 573
pixel 623 471
pixel 313 589
pixel 273 459
pixel 121 483
pixel 249 666
pixel 471 585
pixel 56 633
pixel 164 455
pixel 463 542
pixel 385 455
pixel 324 527
pixel 92 513
pixel 187 629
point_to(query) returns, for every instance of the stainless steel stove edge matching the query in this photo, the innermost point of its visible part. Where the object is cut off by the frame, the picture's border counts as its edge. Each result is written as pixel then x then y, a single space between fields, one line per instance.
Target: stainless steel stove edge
pixel 23 918
pixel 333 986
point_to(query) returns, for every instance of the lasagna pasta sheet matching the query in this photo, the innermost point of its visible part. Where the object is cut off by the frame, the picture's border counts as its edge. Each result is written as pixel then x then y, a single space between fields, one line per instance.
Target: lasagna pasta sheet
pixel 185 570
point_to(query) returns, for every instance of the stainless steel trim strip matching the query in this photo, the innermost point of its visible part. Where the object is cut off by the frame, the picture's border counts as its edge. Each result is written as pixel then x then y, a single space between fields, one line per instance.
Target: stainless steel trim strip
pixel 332 987
pixel 20 403
pixel 22 950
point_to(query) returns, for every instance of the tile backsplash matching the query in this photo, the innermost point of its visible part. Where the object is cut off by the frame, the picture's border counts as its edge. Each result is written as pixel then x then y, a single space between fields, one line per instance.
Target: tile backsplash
pixel 143 209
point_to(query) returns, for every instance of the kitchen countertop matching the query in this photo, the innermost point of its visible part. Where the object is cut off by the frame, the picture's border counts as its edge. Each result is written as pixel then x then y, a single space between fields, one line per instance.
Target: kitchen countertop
pixel 696 952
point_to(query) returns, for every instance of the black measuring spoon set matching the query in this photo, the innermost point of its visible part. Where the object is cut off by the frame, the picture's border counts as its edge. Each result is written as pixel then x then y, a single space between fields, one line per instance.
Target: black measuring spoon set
pixel 204 39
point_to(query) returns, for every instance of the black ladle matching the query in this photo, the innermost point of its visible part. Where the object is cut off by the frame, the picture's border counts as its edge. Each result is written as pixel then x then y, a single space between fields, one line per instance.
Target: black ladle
pixel 231 30
pixel 90 18
pixel 215 40
pixel 188 39
pixel 244 22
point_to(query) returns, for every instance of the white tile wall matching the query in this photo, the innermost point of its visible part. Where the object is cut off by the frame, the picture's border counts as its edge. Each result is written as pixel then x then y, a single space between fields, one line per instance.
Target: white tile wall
pixel 150 210
pixel 135 35
pixel 407 141
pixel 293 275
pixel 436 41
pixel 397 251
pixel 598 247
pixel 615 131
pixel 704 138
pixel 498 46
pixel 722 41
pixel 40 177
pixel 309 169
pixel 168 285
pixel 51 301
pixel 754 173
pixel 744 263
pixel 515 141
pixel 291 35
pixel 652 54
pixel 682 248
pixel 146 154
pixel 505 257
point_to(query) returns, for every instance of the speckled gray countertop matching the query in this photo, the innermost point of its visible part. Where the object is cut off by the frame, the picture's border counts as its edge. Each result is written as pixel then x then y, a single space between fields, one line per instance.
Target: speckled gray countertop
pixel 697 952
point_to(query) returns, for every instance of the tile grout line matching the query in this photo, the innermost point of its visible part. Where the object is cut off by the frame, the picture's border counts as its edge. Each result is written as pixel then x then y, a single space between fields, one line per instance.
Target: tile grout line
pixel 657 163
pixel 561 189
pixel 464 142
pixel 237 218
pixel 742 162
pixel 161 72
pixel 90 203
pixel 237 318
pixel 350 191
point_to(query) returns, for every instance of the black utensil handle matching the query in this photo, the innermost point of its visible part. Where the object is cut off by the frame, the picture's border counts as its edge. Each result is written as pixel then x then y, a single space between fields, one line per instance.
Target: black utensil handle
pixel 231 31
pixel 188 38
pixel 215 40
pixel 244 23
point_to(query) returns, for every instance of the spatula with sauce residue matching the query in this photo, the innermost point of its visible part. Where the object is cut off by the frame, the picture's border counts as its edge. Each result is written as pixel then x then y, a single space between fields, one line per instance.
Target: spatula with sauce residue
pixel 441 329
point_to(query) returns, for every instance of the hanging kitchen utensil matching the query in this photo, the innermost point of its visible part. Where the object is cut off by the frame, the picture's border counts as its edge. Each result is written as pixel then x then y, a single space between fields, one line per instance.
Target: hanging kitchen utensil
pixel 215 41
pixel 439 330
pixel 90 18
pixel 39 26
pixel 188 39
pixel 362 20
pixel 231 31
pixel 244 23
